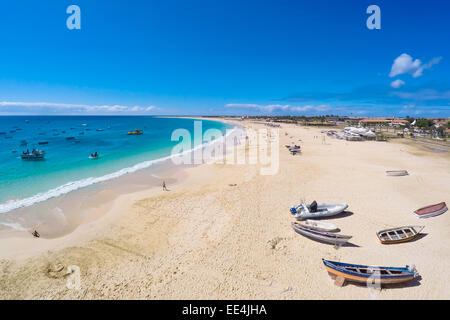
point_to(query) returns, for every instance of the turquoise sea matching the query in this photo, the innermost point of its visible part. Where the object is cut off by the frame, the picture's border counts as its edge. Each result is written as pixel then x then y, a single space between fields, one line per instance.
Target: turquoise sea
pixel 71 140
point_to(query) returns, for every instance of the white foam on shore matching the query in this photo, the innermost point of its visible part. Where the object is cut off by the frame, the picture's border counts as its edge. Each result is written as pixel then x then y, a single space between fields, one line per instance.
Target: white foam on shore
pixel 76 185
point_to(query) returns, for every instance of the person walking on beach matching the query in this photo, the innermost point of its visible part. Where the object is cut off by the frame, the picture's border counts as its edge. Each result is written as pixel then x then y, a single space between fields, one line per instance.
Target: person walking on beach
pixel 164 186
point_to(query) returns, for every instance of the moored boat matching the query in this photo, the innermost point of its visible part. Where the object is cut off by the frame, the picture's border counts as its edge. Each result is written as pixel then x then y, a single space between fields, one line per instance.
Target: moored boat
pixel 401 234
pixel 368 274
pixel 135 132
pixel 431 211
pixel 307 211
pixel 33 155
pixel 94 156
pixel 43 142
pixel 323 236
pixel 397 173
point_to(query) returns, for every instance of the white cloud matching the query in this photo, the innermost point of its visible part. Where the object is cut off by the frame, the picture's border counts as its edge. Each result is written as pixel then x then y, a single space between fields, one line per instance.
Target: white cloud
pixel 66 108
pixel 272 107
pixel 406 64
pixel 397 83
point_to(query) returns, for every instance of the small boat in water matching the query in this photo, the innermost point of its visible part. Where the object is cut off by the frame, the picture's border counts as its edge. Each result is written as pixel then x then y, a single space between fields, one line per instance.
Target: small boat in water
pixel 397 173
pixel 367 274
pixel 320 225
pixel 43 142
pixel 70 138
pixel 33 155
pixel 94 156
pixel 314 210
pixel 431 211
pixel 327 237
pixel 135 132
pixel 100 130
pixel 401 234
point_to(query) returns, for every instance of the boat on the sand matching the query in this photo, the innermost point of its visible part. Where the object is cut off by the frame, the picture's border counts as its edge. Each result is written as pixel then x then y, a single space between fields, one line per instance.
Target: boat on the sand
pixel 367 274
pixel 322 236
pixel 320 225
pixel 307 211
pixel 400 234
pixel 431 211
pixel 397 173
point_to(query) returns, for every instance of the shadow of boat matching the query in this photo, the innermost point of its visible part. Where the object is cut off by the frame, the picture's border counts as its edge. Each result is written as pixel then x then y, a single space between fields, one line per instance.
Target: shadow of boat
pixel 408 284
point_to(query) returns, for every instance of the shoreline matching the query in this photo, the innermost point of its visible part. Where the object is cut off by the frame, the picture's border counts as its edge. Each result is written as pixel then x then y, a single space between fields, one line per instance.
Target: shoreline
pixel 223 231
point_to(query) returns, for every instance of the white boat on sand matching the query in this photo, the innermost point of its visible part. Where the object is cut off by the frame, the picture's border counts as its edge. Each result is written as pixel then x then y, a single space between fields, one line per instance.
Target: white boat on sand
pixel 314 210
pixel 320 225
pixel 397 173
pixel 322 236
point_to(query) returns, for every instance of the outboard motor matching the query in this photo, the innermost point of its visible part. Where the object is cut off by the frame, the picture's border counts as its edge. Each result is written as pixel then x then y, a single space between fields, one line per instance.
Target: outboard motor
pixel 313 206
pixel 293 210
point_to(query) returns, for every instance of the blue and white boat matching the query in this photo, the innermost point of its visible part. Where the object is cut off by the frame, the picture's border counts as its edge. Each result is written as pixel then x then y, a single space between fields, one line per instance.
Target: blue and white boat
pixel 368 274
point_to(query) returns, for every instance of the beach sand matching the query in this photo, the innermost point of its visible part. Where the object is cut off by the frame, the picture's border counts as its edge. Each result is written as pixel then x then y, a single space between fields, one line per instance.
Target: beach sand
pixel 205 239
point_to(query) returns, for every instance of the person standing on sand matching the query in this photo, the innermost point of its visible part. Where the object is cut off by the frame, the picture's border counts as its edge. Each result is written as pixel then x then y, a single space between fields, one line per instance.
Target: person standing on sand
pixel 164 186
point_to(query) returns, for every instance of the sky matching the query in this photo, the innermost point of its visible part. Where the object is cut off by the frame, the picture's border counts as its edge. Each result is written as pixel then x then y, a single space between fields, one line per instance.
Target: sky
pixel 225 57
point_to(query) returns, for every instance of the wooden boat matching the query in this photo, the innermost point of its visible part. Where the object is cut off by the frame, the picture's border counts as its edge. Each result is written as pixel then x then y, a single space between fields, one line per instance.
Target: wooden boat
pixel 397 173
pixel 314 210
pixel 135 132
pixel 401 234
pixel 366 274
pixel 431 211
pixel 321 226
pixel 332 238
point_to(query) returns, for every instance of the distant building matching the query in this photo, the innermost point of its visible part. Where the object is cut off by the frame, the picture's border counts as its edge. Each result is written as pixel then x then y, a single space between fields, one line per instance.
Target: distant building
pixel 383 121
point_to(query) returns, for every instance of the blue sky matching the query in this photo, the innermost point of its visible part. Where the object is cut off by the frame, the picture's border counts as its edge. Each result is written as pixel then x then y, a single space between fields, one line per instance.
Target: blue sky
pixel 299 57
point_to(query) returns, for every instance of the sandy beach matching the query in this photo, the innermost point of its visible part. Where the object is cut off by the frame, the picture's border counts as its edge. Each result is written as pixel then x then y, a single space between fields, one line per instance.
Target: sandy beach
pixel 224 231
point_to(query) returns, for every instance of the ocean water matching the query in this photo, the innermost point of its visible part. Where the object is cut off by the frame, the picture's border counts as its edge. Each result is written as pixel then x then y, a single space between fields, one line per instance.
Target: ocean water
pixel 67 166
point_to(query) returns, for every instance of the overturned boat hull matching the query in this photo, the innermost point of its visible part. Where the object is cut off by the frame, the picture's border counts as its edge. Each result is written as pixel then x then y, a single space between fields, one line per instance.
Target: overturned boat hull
pixel 431 211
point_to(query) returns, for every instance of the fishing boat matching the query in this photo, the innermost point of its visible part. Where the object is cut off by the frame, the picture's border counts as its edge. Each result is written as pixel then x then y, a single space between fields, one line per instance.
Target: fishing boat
pixel 314 210
pixel 70 138
pixel 320 225
pixel 397 173
pixel 322 236
pixel 135 132
pixel 401 234
pixel 367 274
pixel 431 211
pixel 43 142
pixel 33 155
